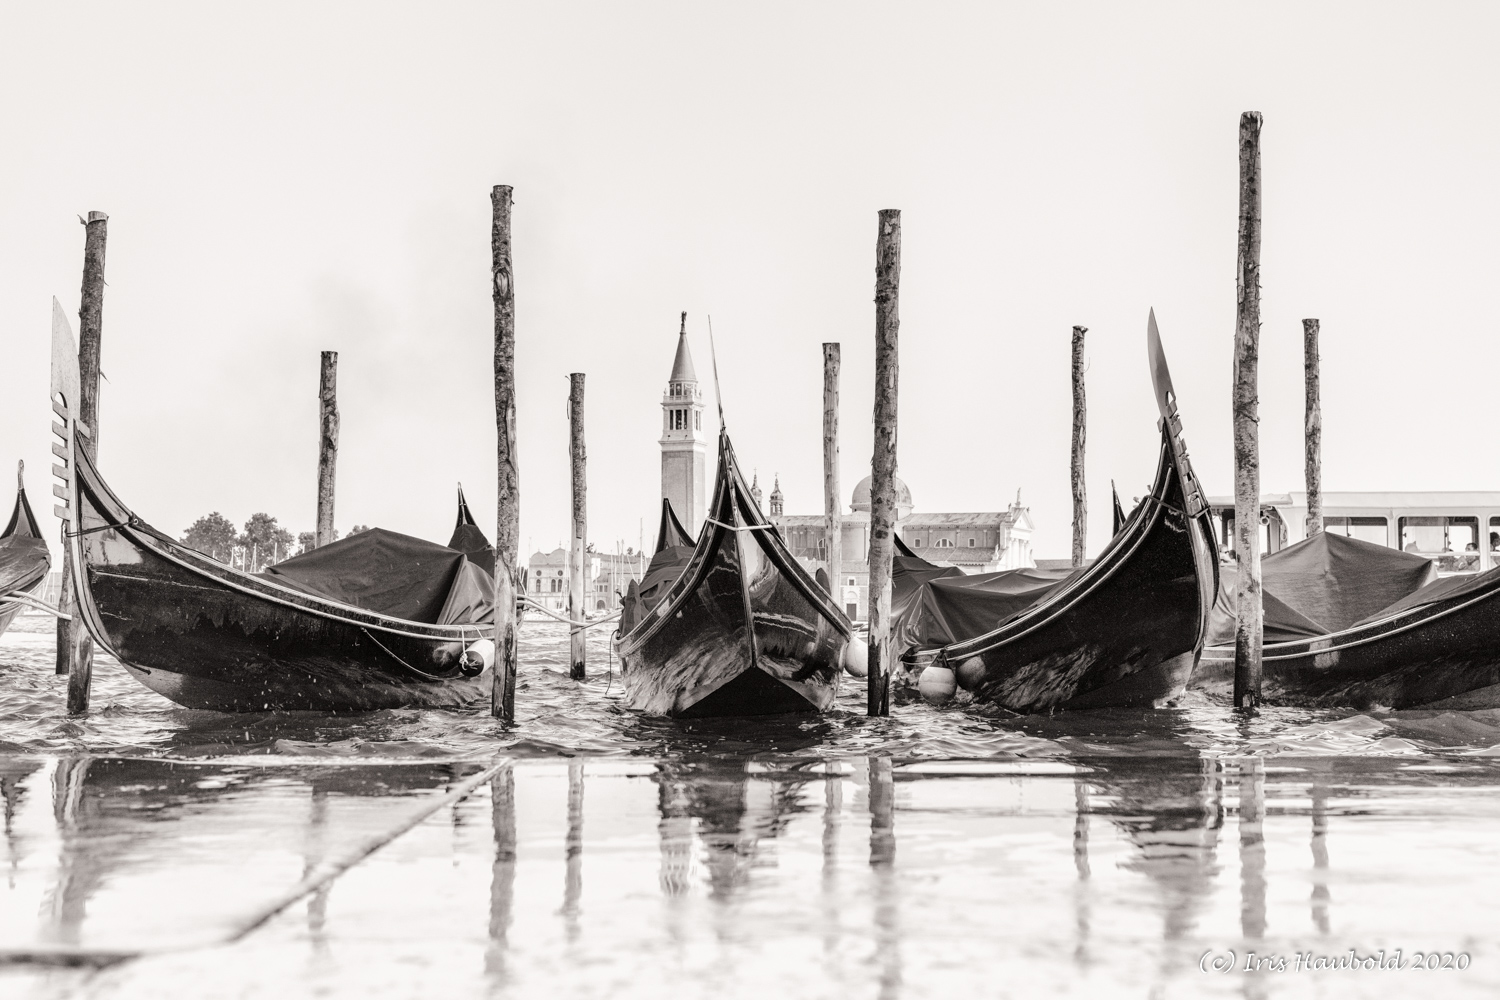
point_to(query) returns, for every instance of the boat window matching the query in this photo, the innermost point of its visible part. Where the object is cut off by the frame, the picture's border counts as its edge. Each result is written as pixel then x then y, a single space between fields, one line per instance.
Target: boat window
pixel 1366 529
pixel 1452 542
pixel 1494 540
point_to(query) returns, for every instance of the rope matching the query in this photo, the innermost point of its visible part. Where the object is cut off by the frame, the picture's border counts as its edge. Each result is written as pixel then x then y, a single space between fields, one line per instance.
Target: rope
pixel 420 673
pixel 32 602
pixel 577 626
pixel 742 527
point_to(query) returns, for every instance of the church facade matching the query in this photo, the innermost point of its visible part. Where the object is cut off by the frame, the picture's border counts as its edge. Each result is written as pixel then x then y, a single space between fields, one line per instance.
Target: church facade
pixel 978 542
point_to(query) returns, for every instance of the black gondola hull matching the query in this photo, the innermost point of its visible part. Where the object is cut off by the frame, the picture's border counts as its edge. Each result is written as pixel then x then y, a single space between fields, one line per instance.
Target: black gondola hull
pixel 1125 632
pixel 743 631
pixel 207 636
pixel 1441 655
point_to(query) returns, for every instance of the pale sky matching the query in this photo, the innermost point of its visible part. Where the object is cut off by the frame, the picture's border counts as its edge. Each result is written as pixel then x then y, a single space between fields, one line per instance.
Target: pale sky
pixel 299 177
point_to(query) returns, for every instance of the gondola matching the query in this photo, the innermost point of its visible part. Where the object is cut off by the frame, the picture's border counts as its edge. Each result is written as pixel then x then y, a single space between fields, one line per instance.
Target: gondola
pixel 377 620
pixel 1127 630
pixel 1436 647
pixel 732 626
pixel 24 559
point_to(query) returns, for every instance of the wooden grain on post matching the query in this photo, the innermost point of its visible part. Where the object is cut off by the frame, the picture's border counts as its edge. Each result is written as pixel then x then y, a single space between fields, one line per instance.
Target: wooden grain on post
pixel 1313 435
pixel 578 552
pixel 833 509
pixel 328 445
pixel 1248 626
pixel 1080 493
pixel 508 519
pixel 75 650
pixel 883 462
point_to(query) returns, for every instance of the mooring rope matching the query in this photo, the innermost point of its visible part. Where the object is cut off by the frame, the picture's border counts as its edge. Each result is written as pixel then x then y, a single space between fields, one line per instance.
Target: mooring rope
pixel 742 527
pixel 32 602
pixel 577 626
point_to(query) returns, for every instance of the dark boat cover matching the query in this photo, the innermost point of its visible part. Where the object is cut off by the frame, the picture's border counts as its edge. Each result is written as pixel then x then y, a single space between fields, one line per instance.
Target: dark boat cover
pixel 469 539
pixel 1324 584
pixel 395 575
pixel 1439 590
pixel 672 533
pixel 674 550
pixel 23 553
pixel 935 605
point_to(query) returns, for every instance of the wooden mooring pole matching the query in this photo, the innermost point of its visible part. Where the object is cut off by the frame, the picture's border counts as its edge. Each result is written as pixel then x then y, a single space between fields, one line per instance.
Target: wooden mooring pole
pixel 328 444
pixel 1248 629
pixel 75 650
pixel 883 462
pixel 1314 428
pixel 508 518
pixel 578 552
pixel 1080 493
pixel 833 509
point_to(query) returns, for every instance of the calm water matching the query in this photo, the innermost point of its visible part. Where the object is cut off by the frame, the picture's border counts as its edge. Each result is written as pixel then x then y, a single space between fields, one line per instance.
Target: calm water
pixel 939 853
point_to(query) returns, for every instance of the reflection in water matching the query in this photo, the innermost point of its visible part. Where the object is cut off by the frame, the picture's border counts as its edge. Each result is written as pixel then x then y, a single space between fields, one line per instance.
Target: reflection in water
pixel 883 864
pixel 13 774
pixel 314 851
pixel 1320 897
pixel 573 851
pixel 833 804
pixel 502 870
pixel 1081 867
pixel 1252 787
pixel 79 872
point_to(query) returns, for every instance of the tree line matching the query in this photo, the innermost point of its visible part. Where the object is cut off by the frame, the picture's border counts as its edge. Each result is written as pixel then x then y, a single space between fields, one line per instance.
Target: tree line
pixel 263 541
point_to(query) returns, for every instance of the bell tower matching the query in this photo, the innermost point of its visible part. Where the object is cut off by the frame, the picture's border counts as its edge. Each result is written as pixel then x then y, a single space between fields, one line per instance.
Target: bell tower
pixel 684 445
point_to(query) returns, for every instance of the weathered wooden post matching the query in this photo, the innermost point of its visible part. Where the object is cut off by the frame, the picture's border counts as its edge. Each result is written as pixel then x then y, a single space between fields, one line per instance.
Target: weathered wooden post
pixel 578 553
pixel 833 509
pixel 508 519
pixel 328 444
pixel 883 462
pixel 75 650
pixel 1080 494
pixel 1248 629
pixel 1314 427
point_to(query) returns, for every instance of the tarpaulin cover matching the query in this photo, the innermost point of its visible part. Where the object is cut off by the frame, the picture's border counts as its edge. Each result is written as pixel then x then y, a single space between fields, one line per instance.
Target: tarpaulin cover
pixel 665 567
pixel 395 575
pixel 1323 584
pixel 1279 623
pixel 1440 590
pixel 936 605
pixel 470 540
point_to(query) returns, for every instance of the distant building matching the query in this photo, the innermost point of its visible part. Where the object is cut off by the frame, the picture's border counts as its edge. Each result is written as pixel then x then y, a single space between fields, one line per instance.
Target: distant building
pixel 974 542
pixel 605 578
pixel 1460 530
pixel 684 445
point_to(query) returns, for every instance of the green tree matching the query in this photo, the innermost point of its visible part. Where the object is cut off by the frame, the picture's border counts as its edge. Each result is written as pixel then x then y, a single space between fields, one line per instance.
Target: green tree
pixel 264 541
pixel 213 535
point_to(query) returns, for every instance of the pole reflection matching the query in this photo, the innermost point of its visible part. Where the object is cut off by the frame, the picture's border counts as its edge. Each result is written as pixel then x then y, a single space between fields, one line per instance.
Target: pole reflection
pixel 1252 789
pixel 1320 895
pixel 573 852
pixel 833 805
pixel 79 870
pixel 502 870
pixel 883 866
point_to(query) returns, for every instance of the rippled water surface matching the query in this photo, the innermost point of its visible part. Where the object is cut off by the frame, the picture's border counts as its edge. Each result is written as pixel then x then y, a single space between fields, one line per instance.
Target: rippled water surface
pixel 589 852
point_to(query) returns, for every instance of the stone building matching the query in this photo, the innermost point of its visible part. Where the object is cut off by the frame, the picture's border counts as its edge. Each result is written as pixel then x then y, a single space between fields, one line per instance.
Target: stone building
pixel 605 578
pixel 974 542
pixel 684 444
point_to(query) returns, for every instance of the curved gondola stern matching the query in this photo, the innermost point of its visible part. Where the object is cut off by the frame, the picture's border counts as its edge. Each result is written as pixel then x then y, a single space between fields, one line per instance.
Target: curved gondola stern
pixel 1195 505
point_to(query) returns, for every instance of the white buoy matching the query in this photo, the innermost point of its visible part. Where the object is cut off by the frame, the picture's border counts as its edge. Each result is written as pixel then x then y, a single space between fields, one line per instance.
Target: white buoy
pixel 937 684
pixel 970 673
pixel 857 657
pixel 479 657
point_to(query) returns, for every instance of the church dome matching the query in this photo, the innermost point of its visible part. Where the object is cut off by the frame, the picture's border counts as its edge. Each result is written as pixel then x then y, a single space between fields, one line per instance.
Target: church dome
pixel 861 498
